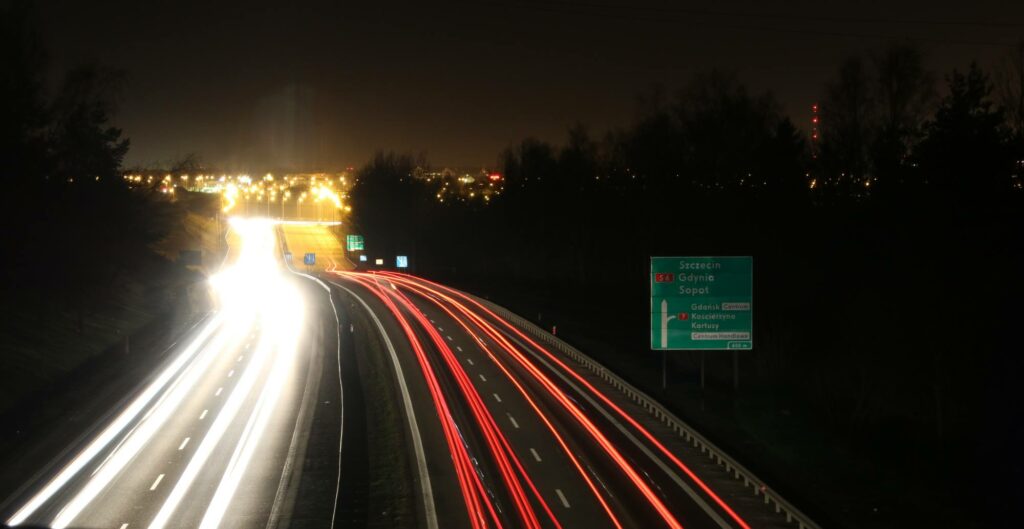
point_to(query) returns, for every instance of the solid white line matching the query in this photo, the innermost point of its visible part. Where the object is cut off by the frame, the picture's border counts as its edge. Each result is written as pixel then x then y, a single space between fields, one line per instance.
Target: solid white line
pixel 535 455
pixel 183 443
pixel 483 378
pixel 157 482
pixel 341 390
pixel 217 394
pixel 562 497
pixel 497 398
pixel 470 360
pixel 459 347
pixel 513 419
pixel 232 372
pixel 203 415
pixel 417 441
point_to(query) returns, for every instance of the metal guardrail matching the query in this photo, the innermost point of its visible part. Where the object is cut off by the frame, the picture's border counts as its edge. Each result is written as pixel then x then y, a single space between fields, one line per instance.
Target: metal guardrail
pixel 738 471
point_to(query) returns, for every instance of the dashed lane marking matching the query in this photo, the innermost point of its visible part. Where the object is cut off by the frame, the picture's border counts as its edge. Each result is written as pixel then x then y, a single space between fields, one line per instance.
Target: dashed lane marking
pixel 483 378
pixel 183 443
pixel 203 415
pixel 470 360
pixel 157 482
pixel 217 394
pixel 535 455
pixel 561 496
pixel 513 419
pixel 497 398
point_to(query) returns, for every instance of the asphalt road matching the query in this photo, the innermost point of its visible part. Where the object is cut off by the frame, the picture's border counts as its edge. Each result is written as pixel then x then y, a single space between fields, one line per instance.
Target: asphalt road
pixel 239 425
pixel 514 436
pixel 352 399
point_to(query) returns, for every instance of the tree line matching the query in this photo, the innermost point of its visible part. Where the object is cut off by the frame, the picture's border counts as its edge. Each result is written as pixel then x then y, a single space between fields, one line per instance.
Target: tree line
pixel 70 226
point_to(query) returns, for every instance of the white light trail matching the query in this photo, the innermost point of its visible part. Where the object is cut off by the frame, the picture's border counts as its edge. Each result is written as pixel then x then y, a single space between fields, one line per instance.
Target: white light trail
pixel 115 428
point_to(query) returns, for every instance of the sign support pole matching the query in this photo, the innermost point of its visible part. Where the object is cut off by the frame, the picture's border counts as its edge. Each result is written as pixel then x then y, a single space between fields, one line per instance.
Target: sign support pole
pixel 702 370
pixel 735 370
pixel 664 370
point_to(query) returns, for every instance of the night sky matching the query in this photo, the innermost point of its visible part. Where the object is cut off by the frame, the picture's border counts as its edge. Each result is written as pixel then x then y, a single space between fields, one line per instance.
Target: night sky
pixel 322 85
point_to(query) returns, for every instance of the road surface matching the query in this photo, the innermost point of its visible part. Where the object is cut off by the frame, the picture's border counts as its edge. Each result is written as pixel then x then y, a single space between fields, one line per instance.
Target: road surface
pixel 515 436
pixel 451 417
pixel 220 434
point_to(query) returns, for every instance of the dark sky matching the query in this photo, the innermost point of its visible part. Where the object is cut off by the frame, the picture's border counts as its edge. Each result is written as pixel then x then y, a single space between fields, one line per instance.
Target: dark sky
pixel 324 84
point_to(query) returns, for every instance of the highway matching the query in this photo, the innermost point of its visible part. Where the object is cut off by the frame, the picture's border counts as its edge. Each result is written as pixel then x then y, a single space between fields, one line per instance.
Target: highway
pixel 514 436
pixel 218 435
pixel 326 397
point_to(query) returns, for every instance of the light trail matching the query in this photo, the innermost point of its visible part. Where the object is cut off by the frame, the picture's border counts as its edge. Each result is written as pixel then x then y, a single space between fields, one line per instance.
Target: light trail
pixel 599 437
pixel 255 289
pixel 502 453
pixel 252 294
pixel 529 399
pixel 123 420
pixel 473 492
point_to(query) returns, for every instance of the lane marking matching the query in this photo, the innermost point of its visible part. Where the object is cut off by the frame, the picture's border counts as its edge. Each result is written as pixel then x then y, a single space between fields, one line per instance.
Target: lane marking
pixel 497 398
pixel 482 377
pixel 217 394
pixel 157 482
pixel 203 415
pixel 470 360
pixel 562 497
pixel 535 455
pixel 183 443
pixel 439 328
pixel 449 337
pixel 240 357
pixel 671 473
pixel 459 347
pixel 124 525
pixel 513 419
pixel 232 372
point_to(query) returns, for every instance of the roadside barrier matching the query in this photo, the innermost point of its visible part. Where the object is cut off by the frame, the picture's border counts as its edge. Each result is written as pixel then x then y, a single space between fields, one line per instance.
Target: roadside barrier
pixel 666 417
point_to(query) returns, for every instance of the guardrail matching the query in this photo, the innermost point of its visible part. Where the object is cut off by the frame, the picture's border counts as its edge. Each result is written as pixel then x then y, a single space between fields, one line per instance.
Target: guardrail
pixel 738 471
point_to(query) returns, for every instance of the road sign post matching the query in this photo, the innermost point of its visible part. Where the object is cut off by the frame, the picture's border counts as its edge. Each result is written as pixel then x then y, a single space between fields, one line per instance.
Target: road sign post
pixel 701 304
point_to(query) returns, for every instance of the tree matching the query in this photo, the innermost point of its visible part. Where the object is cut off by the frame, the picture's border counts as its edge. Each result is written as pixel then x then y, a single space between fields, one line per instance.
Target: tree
pixel 731 138
pixel 847 125
pixel 1011 88
pixel 966 144
pixel 84 144
pixel 23 115
pixel 904 89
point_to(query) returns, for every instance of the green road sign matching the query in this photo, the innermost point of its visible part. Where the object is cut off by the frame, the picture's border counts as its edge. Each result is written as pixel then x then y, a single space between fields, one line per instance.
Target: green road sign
pixel 354 243
pixel 701 303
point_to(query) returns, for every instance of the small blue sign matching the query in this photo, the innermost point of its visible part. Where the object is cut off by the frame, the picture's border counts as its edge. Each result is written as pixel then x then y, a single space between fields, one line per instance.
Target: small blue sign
pixel 362 258
pixel 402 261
pixel 309 259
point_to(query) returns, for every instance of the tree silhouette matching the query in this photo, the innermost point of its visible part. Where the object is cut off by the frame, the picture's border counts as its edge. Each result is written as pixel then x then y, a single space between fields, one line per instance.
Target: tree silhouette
pixel 904 89
pixel 966 145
